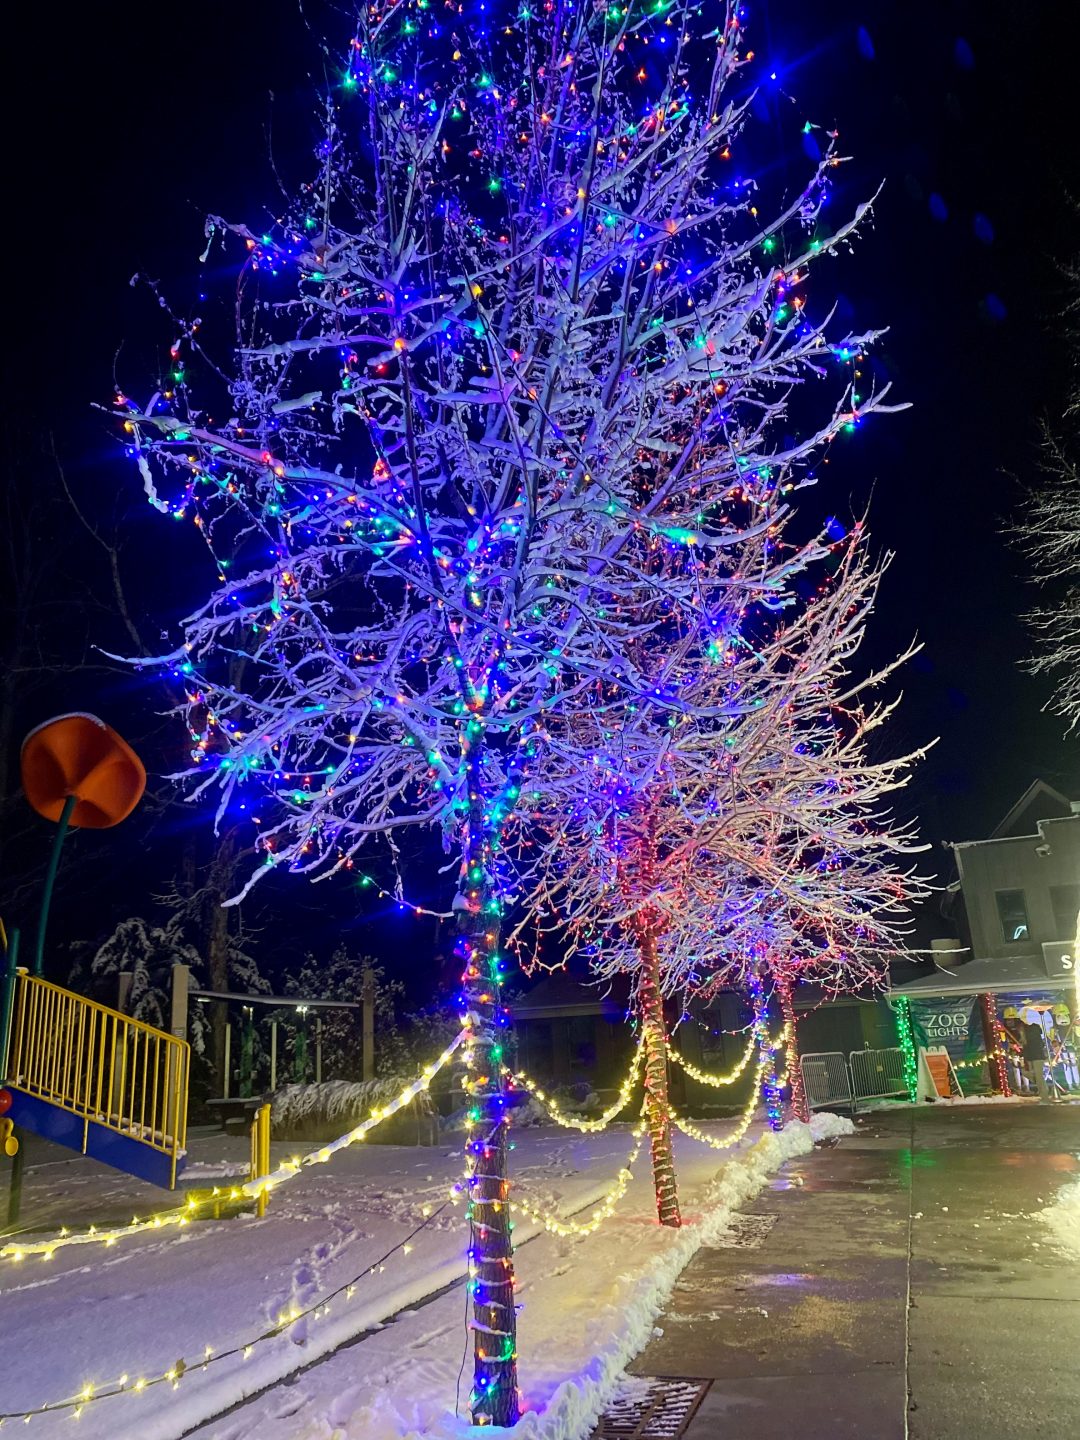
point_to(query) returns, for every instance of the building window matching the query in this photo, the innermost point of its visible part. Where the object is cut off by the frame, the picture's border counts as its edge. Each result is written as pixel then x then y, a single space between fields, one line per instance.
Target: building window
pixel 1012 912
pixel 1066 902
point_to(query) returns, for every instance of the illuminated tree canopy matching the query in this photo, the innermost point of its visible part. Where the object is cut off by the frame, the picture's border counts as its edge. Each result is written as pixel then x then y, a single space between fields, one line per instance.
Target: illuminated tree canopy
pixel 517 383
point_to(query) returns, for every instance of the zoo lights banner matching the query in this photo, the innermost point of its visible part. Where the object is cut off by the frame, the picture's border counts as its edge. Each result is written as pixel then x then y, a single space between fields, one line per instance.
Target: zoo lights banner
pixel 954 1023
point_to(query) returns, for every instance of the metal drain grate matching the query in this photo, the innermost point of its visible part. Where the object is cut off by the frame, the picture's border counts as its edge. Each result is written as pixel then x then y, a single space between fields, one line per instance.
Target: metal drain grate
pixel 651 1410
pixel 744 1232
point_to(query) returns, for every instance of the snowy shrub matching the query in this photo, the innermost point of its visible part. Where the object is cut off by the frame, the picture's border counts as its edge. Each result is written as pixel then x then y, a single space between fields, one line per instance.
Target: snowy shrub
pixel 322 1112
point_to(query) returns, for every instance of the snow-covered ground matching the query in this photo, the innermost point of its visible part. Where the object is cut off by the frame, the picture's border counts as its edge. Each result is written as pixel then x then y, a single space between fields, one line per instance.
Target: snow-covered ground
pixel 1062 1218
pixel 144 1305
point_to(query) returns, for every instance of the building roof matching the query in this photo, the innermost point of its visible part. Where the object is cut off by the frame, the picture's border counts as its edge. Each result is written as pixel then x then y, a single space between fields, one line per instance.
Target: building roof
pixel 1038 802
pixel 811 996
pixel 993 977
pixel 560 994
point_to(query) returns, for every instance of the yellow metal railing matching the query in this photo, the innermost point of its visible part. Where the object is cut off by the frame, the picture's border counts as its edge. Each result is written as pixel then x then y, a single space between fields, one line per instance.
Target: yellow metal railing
pixel 100 1064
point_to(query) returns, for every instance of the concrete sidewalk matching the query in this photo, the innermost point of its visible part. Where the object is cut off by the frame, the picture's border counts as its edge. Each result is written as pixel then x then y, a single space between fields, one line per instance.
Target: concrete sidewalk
pixel 899 1289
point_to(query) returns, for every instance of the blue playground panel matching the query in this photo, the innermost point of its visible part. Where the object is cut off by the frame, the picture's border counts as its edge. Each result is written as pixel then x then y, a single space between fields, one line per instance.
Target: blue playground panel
pixel 122 1152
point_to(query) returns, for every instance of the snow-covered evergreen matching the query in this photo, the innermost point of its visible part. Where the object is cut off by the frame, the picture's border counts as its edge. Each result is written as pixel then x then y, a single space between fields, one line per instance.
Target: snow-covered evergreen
pixel 147 952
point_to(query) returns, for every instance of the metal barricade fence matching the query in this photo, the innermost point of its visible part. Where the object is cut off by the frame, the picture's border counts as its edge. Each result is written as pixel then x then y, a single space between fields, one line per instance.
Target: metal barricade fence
pixel 877 1074
pixel 826 1079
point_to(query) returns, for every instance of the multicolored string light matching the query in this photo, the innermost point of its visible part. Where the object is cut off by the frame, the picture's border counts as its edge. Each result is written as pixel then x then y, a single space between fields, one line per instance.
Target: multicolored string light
pixel 535 493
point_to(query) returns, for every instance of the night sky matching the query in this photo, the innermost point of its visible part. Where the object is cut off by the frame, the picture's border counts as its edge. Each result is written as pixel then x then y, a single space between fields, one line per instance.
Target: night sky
pixel 126 127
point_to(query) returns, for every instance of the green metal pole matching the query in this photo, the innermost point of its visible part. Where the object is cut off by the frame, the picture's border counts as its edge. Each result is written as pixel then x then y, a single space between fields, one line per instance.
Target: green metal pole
pixel 7 1001
pixel 50 880
pixel 247 1051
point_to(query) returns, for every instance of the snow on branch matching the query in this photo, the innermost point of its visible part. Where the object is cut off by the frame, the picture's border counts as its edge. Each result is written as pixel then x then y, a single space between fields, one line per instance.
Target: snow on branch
pixel 751 820
pixel 524 330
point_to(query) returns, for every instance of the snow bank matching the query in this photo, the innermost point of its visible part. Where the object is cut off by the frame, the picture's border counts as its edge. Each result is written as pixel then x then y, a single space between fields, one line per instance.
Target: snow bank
pixel 1062 1218
pixel 873 1107
pixel 581 1326
pixel 986 1100
pixel 579 1400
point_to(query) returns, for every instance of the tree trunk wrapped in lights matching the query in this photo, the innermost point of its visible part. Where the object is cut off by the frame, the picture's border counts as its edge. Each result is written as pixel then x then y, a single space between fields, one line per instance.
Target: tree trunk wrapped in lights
pixel 905 1034
pixel 657 1107
pixel 770 1087
pixel 800 1106
pixel 995 1041
pixel 510 369
pixel 491 1266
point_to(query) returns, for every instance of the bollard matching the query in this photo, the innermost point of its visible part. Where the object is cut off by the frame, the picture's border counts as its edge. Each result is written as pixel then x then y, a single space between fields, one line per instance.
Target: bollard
pixel 260 1153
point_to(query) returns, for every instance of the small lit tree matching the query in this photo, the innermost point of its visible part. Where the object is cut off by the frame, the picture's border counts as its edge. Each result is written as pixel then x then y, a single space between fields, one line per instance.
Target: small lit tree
pixel 738 837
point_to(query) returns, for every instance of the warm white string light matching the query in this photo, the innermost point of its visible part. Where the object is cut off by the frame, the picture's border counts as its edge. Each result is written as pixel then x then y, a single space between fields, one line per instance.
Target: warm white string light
pixel 603 1210
pixel 252 1188
pixel 125 1385
pixel 572 1122
pixel 703 1077
pixel 765 1054
pixel 607 1205
pixel 290 1168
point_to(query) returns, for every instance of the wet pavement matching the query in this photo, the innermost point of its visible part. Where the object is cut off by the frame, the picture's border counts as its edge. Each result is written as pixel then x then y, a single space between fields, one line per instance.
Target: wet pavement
pixel 895 1286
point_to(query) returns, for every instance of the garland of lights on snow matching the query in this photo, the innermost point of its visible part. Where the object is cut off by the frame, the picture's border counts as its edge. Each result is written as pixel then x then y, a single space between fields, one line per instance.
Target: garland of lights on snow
pixel 262 1184
pixel 172 1376
pixel 603 1211
pixel 554 1224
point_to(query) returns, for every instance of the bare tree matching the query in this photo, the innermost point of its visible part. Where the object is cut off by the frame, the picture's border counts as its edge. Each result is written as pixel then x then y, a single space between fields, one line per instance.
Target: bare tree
pixel 1048 530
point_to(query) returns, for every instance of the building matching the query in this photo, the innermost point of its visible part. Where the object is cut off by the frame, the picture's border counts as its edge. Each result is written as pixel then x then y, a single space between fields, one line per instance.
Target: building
pixel 572 1034
pixel 1021 889
pixel 1015 904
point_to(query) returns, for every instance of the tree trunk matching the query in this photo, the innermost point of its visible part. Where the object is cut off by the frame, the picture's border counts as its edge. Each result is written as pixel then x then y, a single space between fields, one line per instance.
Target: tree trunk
pixel 800 1106
pixel 657 1109
pixel 994 1040
pixel 495 1399
pixel 774 1106
pixel 220 879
